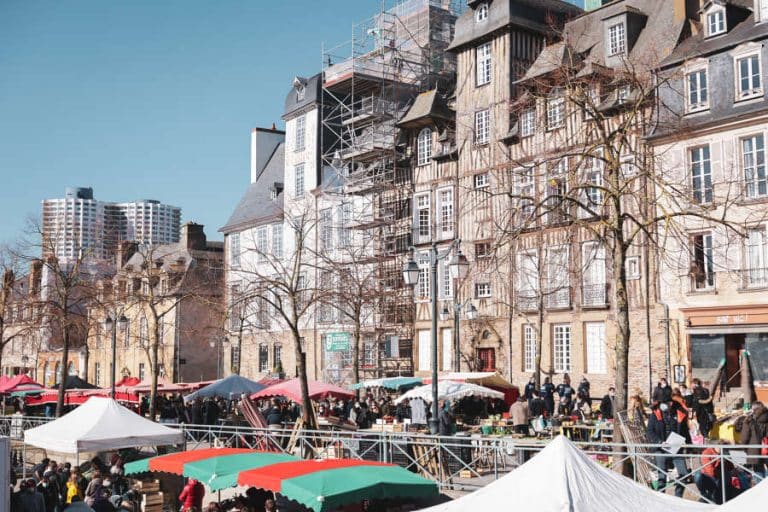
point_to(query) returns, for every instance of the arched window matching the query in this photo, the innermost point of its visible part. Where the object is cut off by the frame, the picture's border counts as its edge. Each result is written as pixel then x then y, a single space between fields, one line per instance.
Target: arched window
pixel 424 146
pixel 481 14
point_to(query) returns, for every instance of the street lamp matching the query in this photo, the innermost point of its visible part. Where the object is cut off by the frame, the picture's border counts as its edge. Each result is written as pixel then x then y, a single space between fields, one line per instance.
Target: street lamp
pixel 217 343
pixel 458 268
pixel 111 323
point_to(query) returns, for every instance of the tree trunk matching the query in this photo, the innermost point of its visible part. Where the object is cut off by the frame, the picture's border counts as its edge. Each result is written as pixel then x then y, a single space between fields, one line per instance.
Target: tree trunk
pixel 153 389
pixel 356 356
pixel 301 370
pixel 64 369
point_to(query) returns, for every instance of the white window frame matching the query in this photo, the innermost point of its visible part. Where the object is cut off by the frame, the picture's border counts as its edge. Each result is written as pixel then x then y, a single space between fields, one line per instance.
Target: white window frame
pixel 482 127
pixel 716 22
pixel 345 222
pixel 422 224
pixel 632 268
pixel 555 112
pixel 424 147
pixel 425 349
pixel 617 39
pixel 262 242
pixel 708 250
pixel 482 181
pixel 445 202
pixel 561 347
pixel 528 276
pixel 700 170
pixel 299 183
pixel 277 240
pixel 751 56
pixel 481 13
pixel 423 286
pixel 525 188
pixel 326 229
pixel 593 175
pixel 594 341
pixel 528 122
pixel 756 258
pixel 483 290
pixel 484 64
pixel 697 88
pixel 300 133
pixel 446 281
pixel 447 337
pixel 529 348
pixel 234 250
pixel 753 165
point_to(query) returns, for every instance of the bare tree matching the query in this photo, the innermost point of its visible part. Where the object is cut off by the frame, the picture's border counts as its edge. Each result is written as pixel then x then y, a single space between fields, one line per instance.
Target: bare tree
pixel 18 301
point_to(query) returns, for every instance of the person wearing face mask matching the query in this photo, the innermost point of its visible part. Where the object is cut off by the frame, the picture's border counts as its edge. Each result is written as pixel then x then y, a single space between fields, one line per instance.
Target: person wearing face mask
pixel 662 393
pixel 49 488
pixel 606 404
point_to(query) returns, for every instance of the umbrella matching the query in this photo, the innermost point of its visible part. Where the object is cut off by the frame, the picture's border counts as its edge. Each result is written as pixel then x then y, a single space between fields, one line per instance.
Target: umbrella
pixel 234 385
pixel 221 472
pixel 323 485
pixel 174 462
pixel 450 390
pixel 292 389
pixel 396 383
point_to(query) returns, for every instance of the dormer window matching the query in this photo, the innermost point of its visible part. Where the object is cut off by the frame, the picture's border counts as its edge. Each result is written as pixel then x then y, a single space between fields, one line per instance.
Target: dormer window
pixel 300 93
pixel 481 14
pixel 617 39
pixel 273 194
pixel 761 10
pixel 716 22
pixel 748 73
pixel 697 89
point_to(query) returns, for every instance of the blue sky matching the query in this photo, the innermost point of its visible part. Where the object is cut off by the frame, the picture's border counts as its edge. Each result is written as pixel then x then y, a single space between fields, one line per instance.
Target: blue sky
pixel 149 98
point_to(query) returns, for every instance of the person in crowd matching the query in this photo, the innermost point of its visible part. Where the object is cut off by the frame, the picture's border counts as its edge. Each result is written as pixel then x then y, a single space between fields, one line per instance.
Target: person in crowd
pixel 73 490
pixel 39 469
pixel 530 387
pixel 565 393
pixel 274 414
pixel 192 495
pixel 269 506
pixel 402 411
pixel 214 507
pixel 754 432
pixel 519 415
pixel 583 407
pixel 703 408
pixel 662 393
pixel 196 412
pixel 29 498
pixel 636 407
pixel 211 412
pixel 49 488
pixel 584 390
pixel 687 396
pixel 94 489
pixel 708 478
pixel 547 392
pixel 444 418
pixel 606 404
pixel 666 418
pixel 537 407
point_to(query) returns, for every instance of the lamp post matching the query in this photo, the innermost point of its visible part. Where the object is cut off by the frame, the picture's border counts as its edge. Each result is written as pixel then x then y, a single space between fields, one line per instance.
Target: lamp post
pixel 458 266
pixel 217 343
pixel 471 314
pixel 113 323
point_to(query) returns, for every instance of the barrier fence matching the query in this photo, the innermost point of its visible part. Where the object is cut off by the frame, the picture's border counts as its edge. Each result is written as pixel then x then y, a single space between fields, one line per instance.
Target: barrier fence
pixel 465 463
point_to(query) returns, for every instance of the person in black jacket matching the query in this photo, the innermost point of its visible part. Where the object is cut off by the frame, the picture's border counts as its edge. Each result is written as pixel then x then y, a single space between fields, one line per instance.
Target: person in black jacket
pixel 444 419
pixel 664 419
pixel 606 404
pixel 662 393
pixel 530 388
pixel 584 390
pixel 703 408
pixel 547 393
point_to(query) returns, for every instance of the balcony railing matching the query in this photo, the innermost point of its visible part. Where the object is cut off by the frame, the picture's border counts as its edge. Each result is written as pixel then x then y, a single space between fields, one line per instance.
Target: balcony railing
pixel 594 295
pixel 528 300
pixel 557 297
pixel 755 278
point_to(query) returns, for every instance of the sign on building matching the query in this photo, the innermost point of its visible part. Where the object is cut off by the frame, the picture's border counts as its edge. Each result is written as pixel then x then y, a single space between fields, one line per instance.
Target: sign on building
pixel 337 342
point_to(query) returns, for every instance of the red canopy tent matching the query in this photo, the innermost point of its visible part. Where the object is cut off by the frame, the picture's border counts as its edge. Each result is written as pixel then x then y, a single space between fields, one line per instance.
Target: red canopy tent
pixel 291 389
pixel 145 386
pixel 19 383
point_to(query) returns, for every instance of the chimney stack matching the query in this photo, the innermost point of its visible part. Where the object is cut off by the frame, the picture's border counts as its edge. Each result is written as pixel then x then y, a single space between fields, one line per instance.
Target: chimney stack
pixel 193 236
pixel 264 141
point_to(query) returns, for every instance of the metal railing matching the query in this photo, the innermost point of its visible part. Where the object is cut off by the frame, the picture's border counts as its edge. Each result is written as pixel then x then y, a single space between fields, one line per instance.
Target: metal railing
pixel 558 297
pixel 594 295
pixel 467 463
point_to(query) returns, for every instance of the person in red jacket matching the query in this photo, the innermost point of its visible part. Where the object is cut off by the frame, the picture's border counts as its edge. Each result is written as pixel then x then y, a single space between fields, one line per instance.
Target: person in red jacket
pixel 192 495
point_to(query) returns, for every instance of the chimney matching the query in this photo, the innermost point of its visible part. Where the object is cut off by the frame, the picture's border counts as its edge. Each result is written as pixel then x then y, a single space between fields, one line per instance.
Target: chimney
pixel 35 276
pixel 125 250
pixel 686 9
pixel 263 144
pixel 193 236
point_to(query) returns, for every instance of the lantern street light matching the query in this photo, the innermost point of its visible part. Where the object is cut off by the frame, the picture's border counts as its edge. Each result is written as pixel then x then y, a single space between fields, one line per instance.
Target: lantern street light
pixel 458 268
pixel 112 323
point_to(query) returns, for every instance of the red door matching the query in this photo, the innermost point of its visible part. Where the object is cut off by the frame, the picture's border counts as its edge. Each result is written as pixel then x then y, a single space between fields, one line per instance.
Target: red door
pixel 487 359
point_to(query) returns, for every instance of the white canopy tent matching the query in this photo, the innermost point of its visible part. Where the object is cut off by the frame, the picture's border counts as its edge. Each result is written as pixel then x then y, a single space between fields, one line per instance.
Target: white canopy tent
pixel 753 499
pixel 100 424
pixel 450 390
pixel 564 479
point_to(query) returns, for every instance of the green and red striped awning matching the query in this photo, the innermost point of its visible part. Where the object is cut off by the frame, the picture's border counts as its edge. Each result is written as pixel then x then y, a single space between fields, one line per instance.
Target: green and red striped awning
pixel 320 485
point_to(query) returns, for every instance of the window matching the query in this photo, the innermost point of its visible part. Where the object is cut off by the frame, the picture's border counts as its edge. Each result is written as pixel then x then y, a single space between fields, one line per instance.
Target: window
pixel 594 176
pixel 369 354
pixel 529 348
pixel 482 290
pixel 326 229
pixel 557 190
pixel 299 180
pixel 423 286
pixel 277 355
pixel 345 221
pixel 234 357
pixel 301 130
pixel 481 14
pixel 753 160
pixel 446 281
pixel 142 372
pixel 555 112
pixel 301 92
pixel 756 258
pixel 483 69
pixel 562 348
pixel 425 356
pixel 702 268
pixel 262 243
pixel 263 358
pixel 277 240
pixel 143 332
pixel 423 231
pixel 234 250
pixel 528 122
pixel 445 203
pixel 763 10
pixel 716 22
pixel 301 286
pixel 127 339
pixel 593 274
pixel 617 39
pixel 486 358
pixel 750 84
pixel 97 373
pixel 447 350
pixel 528 263
pixel 482 128
pixel 701 175
pixel 632 267
pixel 424 147
pixel 236 308
pixel 483 250
pixel 698 98
pixel 595 334
pixel 622 94
pixel 481 180
pixel 525 185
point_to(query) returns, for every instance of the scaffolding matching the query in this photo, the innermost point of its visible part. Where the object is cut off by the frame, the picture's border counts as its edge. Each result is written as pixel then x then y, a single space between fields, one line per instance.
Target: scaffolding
pixel 368 84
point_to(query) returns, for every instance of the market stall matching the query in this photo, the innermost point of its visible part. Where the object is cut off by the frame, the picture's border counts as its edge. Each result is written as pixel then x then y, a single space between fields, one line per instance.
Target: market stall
pixel 389 383
pixel 492 380
pixel 450 390
pixel 227 388
pixel 291 389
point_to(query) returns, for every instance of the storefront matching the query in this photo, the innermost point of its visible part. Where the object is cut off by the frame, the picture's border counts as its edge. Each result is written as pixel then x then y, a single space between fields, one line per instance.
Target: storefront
pixel 723 333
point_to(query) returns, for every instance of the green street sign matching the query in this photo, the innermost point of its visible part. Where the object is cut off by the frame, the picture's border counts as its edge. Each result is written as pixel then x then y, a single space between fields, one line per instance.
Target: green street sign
pixel 337 342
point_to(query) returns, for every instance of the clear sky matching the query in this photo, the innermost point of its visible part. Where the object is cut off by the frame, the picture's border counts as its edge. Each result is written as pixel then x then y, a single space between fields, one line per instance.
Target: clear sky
pixel 149 98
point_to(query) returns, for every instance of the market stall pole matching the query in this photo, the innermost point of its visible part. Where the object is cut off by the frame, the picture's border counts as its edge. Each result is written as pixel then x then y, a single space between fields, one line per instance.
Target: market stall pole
pixel 458 266
pixel 113 323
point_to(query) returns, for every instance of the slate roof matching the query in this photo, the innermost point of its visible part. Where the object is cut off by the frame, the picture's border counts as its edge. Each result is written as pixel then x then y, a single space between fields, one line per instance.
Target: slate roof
pixel 533 15
pixel 256 204
pixel 312 91
pixel 427 106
